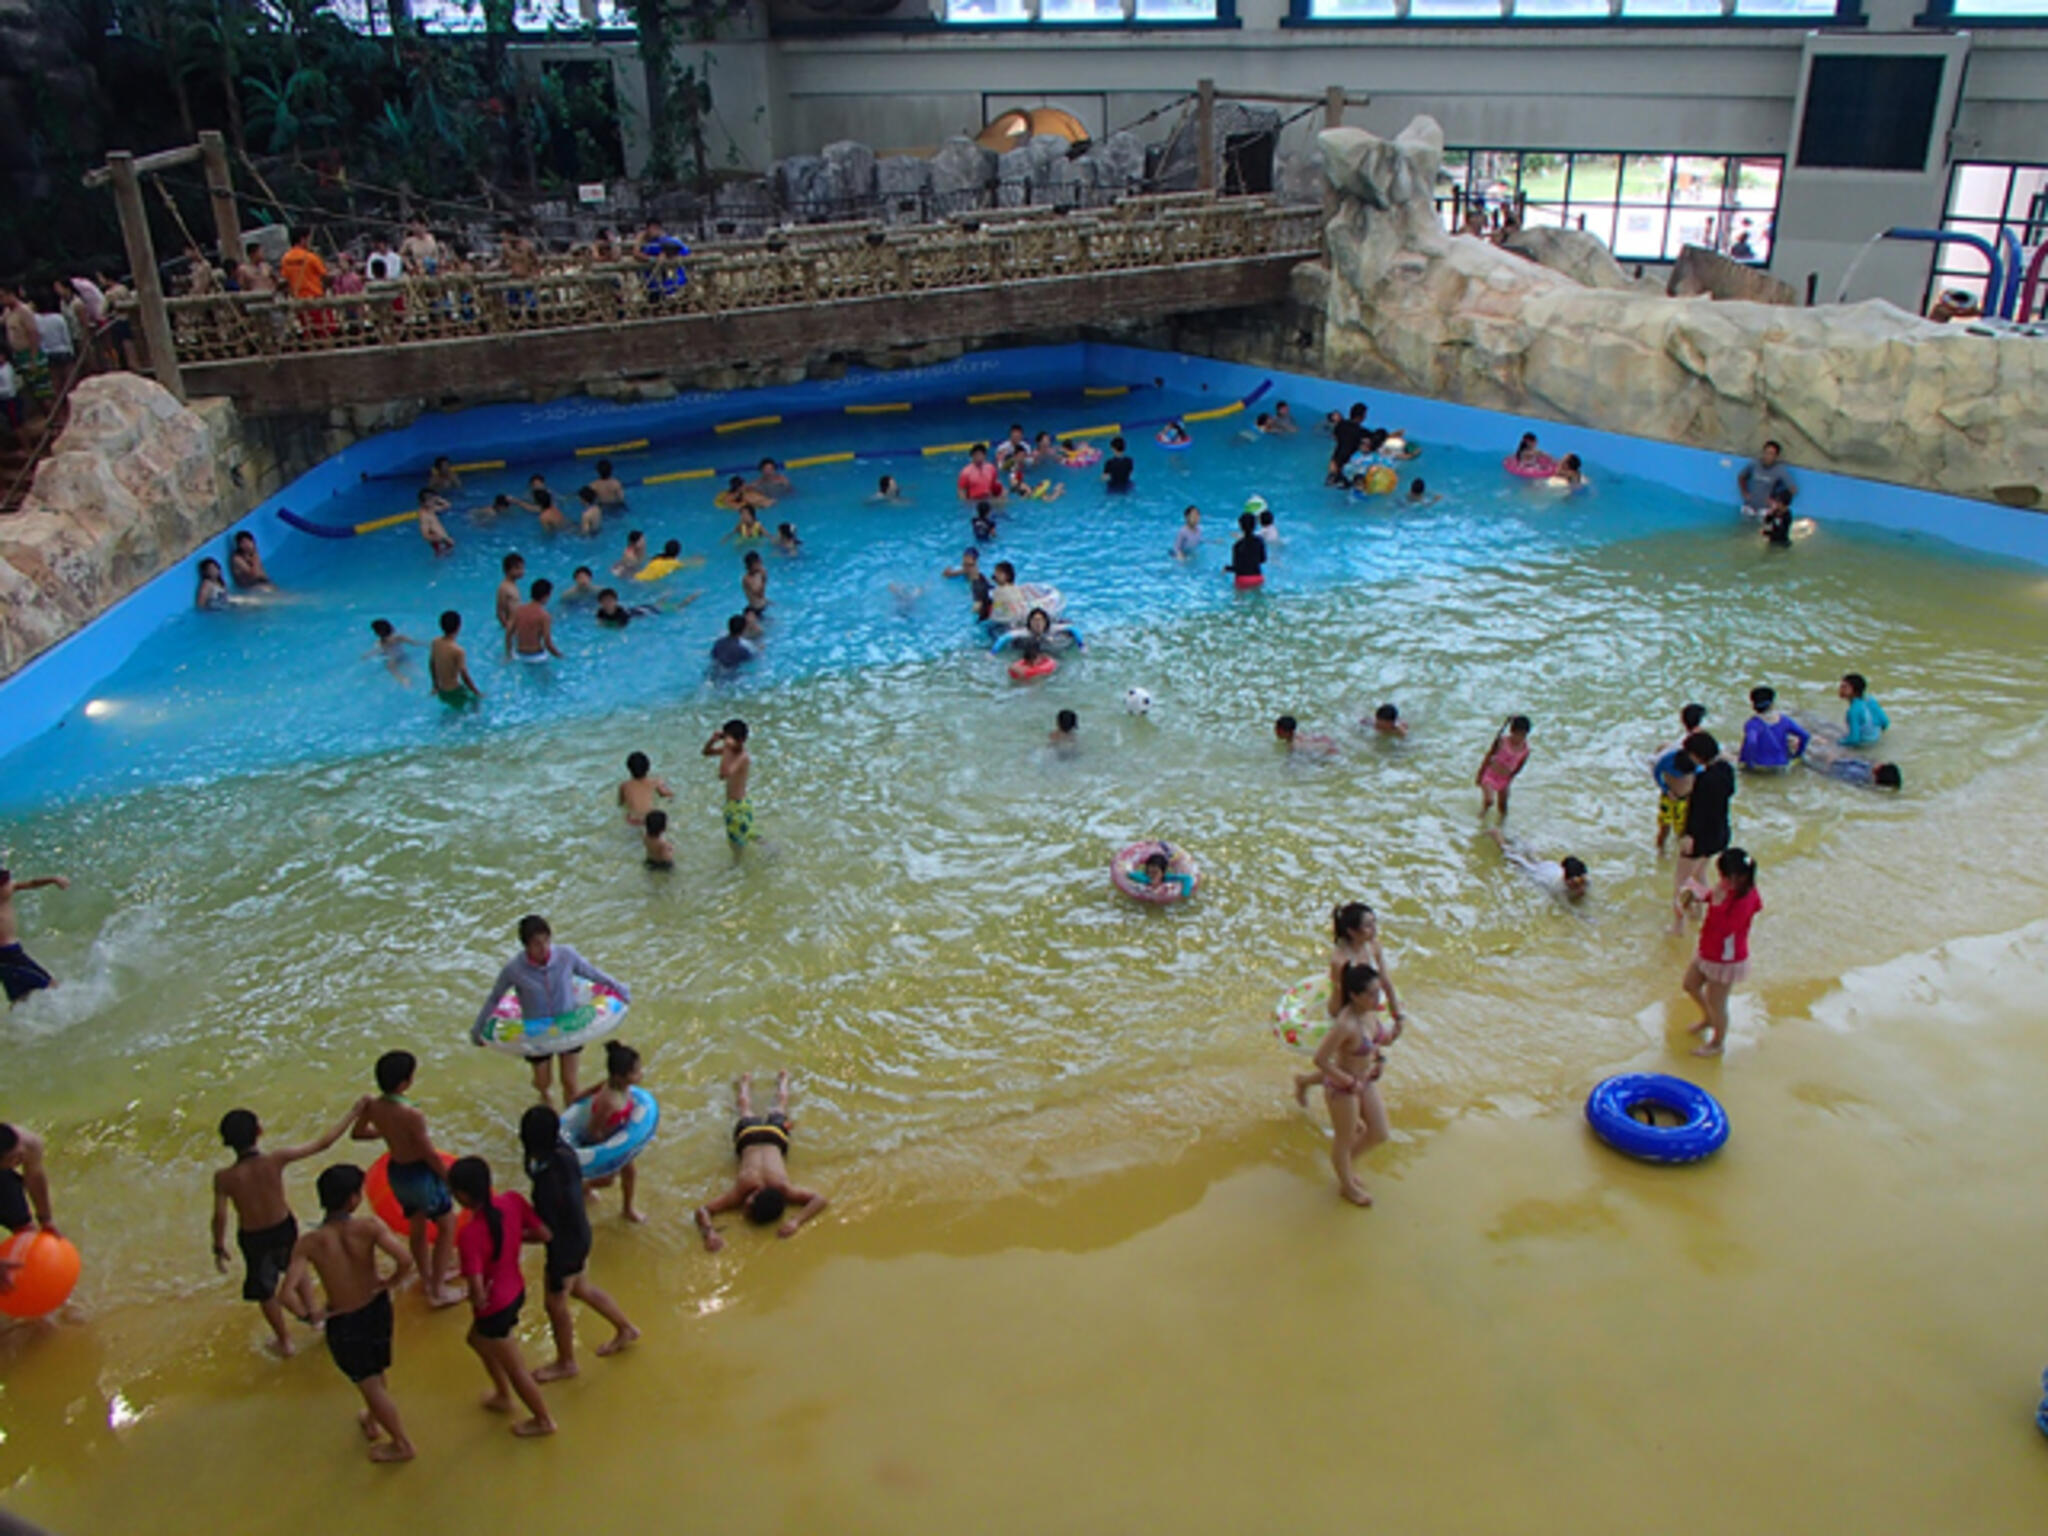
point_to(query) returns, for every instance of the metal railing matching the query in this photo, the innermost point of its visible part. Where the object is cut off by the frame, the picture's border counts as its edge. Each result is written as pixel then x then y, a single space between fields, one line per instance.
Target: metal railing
pixel 817 265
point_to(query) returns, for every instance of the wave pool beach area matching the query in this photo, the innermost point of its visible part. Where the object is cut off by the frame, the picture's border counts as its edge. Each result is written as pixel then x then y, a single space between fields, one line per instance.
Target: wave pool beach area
pixel 1084 1267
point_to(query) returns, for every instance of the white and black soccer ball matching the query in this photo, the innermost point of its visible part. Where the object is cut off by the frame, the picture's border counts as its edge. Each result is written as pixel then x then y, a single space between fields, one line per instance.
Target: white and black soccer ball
pixel 1137 702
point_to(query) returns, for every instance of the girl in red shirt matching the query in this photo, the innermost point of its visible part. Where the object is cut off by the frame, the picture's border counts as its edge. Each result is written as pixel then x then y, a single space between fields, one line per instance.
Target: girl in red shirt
pixel 489 1248
pixel 1723 958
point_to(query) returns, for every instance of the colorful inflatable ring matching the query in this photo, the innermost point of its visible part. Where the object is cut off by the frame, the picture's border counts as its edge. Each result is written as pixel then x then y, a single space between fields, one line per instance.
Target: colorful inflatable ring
pixel 1542 467
pixel 597 1013
pixel 1031 671
pixel 1030 595
pixel 1302 1016
pixel 1702 1128
pixel 49 1269
pixel 602 1159
pixel 1174 445
pixel 1380 479
pixel 725 501
pixel 1082 458
pixel 378 1196
pixel 1179 862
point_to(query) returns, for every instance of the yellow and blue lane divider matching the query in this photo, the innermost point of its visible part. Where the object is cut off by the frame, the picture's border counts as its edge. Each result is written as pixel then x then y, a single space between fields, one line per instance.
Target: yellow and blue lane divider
pixel 808 461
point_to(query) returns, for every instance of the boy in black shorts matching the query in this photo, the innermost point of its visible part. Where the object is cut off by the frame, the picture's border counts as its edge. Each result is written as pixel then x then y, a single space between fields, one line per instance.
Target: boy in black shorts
pixel 343 1250
pixel 762 1187
pixel 265 1229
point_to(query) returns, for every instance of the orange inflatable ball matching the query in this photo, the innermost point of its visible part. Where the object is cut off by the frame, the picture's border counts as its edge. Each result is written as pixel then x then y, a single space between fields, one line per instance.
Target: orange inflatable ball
pixel 49 1269
pixel 377 1191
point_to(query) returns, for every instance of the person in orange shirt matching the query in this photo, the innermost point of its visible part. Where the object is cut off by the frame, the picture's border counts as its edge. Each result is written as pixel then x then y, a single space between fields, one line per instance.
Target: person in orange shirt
pixel 304 276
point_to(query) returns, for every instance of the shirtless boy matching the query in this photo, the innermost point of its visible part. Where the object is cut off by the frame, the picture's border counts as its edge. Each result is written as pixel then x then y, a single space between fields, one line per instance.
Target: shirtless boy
pixel 531 634
pixel 638 791
pixel 24 1185
pixel 762 1185
pixel 19 974
pixel 508 590
pixel 245 565
pixel 448 666
pixel 735 764
pixel 343 1251
pixel 418 1175
pixel 265 1229
pixel 432 505
pixel 611 491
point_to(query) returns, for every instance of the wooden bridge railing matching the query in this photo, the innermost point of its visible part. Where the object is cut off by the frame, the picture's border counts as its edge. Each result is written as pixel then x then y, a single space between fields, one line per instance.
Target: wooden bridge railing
pixel 817 266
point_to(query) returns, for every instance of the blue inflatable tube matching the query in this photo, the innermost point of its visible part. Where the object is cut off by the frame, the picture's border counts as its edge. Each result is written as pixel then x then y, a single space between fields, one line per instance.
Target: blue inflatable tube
pixel 1053 639
pixel 1702 1128
pixel 2041 1413
pixel 602 1159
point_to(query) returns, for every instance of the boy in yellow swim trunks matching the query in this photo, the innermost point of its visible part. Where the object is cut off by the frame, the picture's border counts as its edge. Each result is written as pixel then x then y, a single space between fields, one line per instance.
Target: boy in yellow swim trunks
pixel 735 764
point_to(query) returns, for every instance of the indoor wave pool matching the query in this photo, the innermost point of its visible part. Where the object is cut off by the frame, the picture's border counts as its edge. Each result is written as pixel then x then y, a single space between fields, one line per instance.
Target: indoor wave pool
pixel 1084 1262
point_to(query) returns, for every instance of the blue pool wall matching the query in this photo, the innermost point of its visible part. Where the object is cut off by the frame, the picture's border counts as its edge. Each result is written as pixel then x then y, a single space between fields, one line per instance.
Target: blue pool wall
pixel 41 695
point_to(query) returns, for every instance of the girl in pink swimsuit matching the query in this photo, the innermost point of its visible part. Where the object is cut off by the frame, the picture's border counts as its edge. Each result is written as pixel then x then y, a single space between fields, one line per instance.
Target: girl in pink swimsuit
pixel 1506 758
pixel 1348 1065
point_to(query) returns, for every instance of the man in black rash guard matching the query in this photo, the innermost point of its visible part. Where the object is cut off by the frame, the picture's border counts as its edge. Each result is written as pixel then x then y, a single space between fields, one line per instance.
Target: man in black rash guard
pixel 1346 436
pixel 1248 554
pixel 1706 832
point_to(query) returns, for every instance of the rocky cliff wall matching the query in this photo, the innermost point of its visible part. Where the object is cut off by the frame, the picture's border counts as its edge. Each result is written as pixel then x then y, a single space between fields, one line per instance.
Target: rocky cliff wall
pixel 1864 389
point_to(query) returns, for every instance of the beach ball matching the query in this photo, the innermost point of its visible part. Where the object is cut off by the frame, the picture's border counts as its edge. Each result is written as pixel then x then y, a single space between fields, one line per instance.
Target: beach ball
pixel 49 1269
pixel 1380 479
pixel 1137 702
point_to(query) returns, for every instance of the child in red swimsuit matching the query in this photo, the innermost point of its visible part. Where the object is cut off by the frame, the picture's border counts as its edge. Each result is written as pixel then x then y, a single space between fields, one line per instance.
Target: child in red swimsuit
pixel 611 1106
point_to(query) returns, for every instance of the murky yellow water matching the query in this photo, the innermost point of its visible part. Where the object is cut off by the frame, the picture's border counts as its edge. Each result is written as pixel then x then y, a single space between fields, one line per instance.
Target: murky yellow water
pixel 1085 1269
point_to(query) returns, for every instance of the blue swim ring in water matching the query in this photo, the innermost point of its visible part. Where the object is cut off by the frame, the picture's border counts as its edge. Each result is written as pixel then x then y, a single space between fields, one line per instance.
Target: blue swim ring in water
pixel 2041 1413
pixel 602 1159
pixel 1702 1125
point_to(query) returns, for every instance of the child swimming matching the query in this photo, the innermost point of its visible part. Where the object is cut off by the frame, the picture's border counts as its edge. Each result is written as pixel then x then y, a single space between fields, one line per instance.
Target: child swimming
pixel 497 1290
pixel 1065 739
pixel 1867 720
pixel 391 647
pixel 1503 764
pixel 1564 878
pixel 557 1177
pixel 1348 1065
pixel 1387 721
pixel 1287 731
pixel 1189 538
pixel 448 666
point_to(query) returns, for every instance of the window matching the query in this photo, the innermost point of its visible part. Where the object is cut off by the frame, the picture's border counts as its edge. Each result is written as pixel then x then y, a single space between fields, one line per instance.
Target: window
pixel 1579 12
pixel 2014 10
pixel 1067 13
pixel 1643 207
pixel 1984 198
pixel 469 16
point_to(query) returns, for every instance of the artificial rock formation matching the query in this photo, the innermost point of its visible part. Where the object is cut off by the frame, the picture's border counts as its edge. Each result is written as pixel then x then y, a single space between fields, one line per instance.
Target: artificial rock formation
pixel 1865 389
pixel 133 484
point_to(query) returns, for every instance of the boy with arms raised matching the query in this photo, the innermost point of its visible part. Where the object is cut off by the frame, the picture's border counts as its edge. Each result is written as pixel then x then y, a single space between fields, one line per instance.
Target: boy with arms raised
pixel 265 1229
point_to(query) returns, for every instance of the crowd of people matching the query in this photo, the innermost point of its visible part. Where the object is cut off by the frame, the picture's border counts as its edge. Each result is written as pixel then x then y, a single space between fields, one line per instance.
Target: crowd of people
pixel 48 334
pixel 359 1261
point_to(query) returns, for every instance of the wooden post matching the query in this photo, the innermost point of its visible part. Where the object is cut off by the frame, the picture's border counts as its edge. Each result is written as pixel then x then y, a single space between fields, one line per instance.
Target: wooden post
pixel 1205 135
pixel 220 191
pixel 149 290
pixel 1333 117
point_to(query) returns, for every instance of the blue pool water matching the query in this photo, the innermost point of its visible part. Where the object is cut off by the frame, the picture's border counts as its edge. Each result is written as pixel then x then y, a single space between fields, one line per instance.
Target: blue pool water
pixel 286 680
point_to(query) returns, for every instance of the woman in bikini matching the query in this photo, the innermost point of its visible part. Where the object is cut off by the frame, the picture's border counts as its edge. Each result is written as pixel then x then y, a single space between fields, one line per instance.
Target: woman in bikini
pixel 1355 930
pixel 1348 1064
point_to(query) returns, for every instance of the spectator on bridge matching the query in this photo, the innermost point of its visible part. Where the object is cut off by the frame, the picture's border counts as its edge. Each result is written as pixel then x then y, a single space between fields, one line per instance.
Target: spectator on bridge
pixel 419 251
pixel 253 274
pixel 301 270
pixel 383 265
